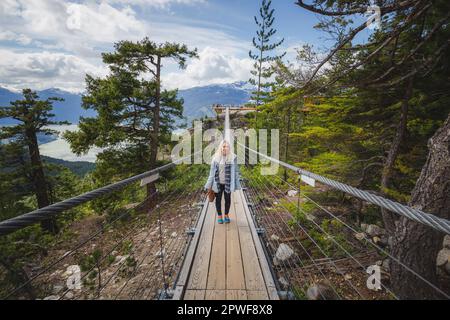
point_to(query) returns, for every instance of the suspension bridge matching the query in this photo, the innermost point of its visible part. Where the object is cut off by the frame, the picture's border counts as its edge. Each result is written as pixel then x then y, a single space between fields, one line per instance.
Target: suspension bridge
pixel 265 253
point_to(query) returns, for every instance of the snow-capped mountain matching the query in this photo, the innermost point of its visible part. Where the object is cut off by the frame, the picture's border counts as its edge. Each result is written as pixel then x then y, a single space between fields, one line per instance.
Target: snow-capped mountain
pixel 197 101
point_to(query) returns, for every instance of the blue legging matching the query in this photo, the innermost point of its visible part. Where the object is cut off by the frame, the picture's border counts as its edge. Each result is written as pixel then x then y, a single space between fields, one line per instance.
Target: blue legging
pixel 227 196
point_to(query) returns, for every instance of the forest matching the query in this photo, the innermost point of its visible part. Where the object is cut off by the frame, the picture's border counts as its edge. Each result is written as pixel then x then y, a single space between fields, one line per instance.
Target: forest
pixel 372 112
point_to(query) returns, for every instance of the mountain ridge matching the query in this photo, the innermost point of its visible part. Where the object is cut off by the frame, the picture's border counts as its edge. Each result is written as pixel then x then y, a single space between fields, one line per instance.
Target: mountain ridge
pixel 197 101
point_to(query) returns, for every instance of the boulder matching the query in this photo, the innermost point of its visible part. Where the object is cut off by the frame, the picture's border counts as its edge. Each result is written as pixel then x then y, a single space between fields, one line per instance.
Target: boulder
pixel 292 193
pixel 447 268
pixel 69 295
pixel 54 297
pixel 274 237
pixel 360 236
pixel 446 242
pixel 363 227
pixel 321 291
pixel 283 282
pixel 71 270
pixel 374 230
pixel 120 260
pixel 443 258
pixel 283 253
pixel 376 240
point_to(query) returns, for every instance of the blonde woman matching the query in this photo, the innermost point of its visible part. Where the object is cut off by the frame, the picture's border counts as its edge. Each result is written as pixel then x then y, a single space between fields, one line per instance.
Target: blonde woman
pixel 223 179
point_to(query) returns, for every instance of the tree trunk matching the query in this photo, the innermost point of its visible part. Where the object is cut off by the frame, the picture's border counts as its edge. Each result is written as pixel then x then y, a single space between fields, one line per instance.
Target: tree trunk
pixel 151 187
pixel 286 148
pixel 388 217
pixel 37 174
pixel 415 244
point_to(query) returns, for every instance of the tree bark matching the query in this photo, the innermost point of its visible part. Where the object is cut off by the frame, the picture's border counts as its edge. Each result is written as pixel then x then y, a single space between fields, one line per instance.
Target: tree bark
pixel 151 187
pixel 388 217
pixel 38 176
pixel 415 244
pixel 286 148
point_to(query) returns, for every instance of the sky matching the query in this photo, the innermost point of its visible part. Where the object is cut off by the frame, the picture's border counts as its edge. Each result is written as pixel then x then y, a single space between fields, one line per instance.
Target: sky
pixel 55 43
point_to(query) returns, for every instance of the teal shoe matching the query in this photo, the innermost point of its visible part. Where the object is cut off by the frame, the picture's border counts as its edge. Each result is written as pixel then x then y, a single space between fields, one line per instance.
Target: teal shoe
pixel 220 221
pixel 227 220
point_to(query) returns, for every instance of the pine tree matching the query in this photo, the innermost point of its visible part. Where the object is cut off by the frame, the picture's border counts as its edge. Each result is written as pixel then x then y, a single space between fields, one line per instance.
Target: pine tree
pixel 34 117
pixel 262 70
pixel 134 115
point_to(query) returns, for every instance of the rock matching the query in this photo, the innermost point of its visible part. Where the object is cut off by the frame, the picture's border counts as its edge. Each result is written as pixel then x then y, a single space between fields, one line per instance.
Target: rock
pixel 120 259
pixel 292 193
pixel 321 291
pixel 69 295
pixel 364 227
pixel 283 253
pixel 174 234
pixel 348 277
pixel 71 270
pixel 283 282
pixel 443 258
pixel 55 297
pixel 446 242
pixel 447 268
pixel 376 240
pixel 274 237
pixel 374 230
pixel 360 236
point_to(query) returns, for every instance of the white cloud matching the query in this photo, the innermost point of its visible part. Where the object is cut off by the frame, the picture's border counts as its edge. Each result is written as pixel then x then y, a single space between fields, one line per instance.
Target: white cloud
pixel 157 3
pixel 103 23
pixel 213 66
pixel 41 70
pixel 12 36
pixel 65 39
pixel 9 7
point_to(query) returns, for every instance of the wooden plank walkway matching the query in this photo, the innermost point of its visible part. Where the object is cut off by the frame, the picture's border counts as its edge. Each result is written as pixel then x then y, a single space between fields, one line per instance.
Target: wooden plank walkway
pixel 226 262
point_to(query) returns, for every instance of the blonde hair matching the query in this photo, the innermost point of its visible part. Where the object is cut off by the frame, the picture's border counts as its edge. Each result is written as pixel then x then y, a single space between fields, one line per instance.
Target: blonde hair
pixel 218 154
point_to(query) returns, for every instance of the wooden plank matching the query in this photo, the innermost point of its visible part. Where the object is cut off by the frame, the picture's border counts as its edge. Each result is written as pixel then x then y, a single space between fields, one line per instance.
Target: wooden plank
pixel 264 265
pixel 253 276
pixel 215 295
pixel 194 295
pixel 234 268
pixel 189 257
pixel 217 270
pixel 240 214
pixel 199 273
pixel 236 295
pixel 257 295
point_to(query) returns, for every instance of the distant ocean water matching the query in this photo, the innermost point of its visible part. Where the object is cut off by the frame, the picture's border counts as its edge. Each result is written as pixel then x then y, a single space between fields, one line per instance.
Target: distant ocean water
pixel 60 148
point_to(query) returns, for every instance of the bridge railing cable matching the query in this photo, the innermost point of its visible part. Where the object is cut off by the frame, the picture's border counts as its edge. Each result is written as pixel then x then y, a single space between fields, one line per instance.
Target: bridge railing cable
pixel 417 215
pixel 16 223
pixel 363 253
pixel 135 254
